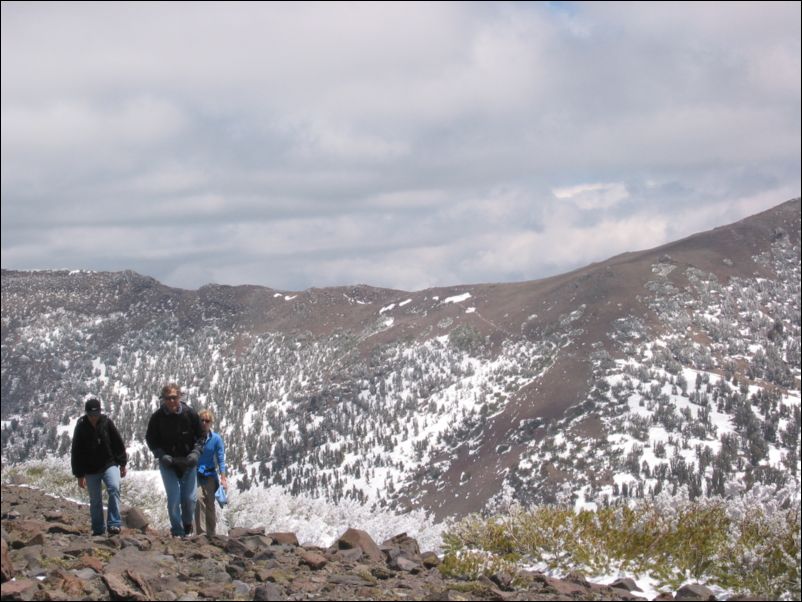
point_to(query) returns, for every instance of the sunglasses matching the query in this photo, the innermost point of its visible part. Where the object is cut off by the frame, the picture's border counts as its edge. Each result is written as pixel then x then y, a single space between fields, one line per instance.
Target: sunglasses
pixel 205 420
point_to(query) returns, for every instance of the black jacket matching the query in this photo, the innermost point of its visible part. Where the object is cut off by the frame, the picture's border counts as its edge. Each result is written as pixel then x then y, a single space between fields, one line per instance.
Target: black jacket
pixel 175 434
pixel 94 449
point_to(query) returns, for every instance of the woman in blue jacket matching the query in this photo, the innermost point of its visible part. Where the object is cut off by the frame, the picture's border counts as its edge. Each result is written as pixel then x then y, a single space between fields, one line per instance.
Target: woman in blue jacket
pixel 213 453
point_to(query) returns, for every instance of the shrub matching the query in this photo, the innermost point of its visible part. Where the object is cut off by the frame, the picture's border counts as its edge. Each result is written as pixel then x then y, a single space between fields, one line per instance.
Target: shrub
pixel 751 544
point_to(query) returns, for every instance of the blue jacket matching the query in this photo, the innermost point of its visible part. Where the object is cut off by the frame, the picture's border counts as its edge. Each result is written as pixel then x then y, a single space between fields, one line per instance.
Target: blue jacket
pixel 213 448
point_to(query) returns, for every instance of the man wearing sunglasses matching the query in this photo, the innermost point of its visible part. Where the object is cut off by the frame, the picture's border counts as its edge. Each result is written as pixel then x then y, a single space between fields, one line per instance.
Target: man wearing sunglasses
pixel 175 437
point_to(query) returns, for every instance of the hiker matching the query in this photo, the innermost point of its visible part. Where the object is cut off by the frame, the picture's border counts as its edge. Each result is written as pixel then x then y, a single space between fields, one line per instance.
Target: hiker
pixel 98 456
pixel 213 452
pixel 175 437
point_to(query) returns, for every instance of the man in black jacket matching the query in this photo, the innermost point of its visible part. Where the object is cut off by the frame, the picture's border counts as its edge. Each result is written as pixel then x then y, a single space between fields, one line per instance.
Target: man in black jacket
pixel 175 437
pixel 98 456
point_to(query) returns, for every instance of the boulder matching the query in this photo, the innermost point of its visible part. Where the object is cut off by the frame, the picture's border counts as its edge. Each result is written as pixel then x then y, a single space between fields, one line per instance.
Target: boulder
pixel 22 589
pixel 284 538
pixel 119 589
pixel 405 544
pixel 627 584
pixel 269 592
pixel 242 532
pixel 313 560
pixel 694 591
pixel 134 518
pixel 6 566
pixel 356 538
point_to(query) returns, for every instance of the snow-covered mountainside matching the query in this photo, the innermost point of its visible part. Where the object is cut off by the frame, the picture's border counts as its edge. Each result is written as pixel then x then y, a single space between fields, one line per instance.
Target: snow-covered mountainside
pixel 674 366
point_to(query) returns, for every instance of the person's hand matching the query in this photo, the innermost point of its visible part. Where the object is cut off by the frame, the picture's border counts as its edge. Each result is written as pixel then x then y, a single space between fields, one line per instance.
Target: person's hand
pixel 166 460
pixel 192 460
pixel 224 481
pixel 82 482
pixel 123 471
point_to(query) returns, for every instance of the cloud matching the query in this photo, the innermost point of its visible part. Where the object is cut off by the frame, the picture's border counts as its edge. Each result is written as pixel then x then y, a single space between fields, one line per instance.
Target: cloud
pixel 594 196
pixel 402 145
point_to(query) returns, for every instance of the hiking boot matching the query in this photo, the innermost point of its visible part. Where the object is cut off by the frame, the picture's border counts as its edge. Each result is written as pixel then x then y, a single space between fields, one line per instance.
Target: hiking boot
pixel 188 529
pixel 114 530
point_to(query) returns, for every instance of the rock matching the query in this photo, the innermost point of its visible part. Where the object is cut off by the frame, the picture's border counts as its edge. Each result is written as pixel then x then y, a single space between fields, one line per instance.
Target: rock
pixel 404 543
pixel 381 572
pixel 352 555
pixel 90 562
pixel 487 589
pixel 269 592
pixel 313 560
pixel 216 591
pixel 63 528
pixel 154 566
pixel 256 544
pixel 241 532
pixel 36 540
pixel 287 539
pixel 565 587
pixel 54 516
pixel 234 570
pixel 694 591
pixel 503 580
pixel 241 588
pixel 67 583
pixel 356 538
pixel 402 563
pixel 21 589
pixel 403 554
pixel 606 591
pixel 237 548
pixel 119 589
pixel 134 518
pixel 264 555
pixel 86 574
pixel 141 582
pixel 447 595
pixel 577 578
pixel 6 566
pixel 627 584
pixel 33 561
pixel 140 544
pixel 274 575
pixel 79 548
pixel 355 580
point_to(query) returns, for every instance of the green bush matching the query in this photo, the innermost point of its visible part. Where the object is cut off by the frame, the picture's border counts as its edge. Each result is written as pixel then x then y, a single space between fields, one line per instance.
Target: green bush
pixel 746 545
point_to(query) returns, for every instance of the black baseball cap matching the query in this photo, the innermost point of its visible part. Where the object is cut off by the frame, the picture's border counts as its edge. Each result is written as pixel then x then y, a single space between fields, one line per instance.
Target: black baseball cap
pixel 92 407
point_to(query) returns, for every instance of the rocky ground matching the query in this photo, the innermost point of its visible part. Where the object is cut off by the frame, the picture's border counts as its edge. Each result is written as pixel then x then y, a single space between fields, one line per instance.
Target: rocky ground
pixel 48 554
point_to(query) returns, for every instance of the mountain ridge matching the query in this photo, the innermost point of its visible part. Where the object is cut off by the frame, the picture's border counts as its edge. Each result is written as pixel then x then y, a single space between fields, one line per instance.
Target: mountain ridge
pixel 381 394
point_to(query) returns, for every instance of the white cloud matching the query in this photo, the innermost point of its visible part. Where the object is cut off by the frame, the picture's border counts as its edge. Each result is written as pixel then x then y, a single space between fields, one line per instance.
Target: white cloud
pixel 593 196
pixel 397 144
pixel 65 126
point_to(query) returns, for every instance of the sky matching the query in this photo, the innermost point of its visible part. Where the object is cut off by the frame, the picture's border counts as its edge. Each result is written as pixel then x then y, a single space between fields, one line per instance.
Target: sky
pixel 399 145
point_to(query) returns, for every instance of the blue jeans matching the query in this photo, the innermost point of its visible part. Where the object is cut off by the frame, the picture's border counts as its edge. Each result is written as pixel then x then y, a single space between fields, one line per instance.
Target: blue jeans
pixel 111 477
pixel 181 497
